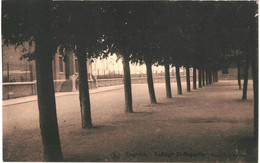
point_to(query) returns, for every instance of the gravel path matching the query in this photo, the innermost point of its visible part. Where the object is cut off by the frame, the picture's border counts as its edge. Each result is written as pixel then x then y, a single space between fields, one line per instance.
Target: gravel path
pixel 208 124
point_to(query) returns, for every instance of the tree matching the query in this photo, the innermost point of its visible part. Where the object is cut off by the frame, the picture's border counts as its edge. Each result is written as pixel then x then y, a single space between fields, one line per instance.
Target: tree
pixel 178 79
pixel 150 82
pixel 173 43
pixel 203 77
pixel 207 77
pixel 119 30
pixel 33 21
pixel 188 78
pixel 241 34
pixel 253 30
pixel 80 31
pixel 244 96
pixel 84 99
pixel 194 78
pixel 167 80
pixel 238 74
pixel 146 48
pixel 127 85
pixel 200 71
pixel 130 35
pixel 237 57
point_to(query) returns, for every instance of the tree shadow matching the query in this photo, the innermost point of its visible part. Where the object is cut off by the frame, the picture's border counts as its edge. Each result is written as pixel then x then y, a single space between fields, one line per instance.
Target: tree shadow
pixel 247 147
pixel 82 158
pixel 141 112
pixel 244 101
pixel 94 130
pixel 162 104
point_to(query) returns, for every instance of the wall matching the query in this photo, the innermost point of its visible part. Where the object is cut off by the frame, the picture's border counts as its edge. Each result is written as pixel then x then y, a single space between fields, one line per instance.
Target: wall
pixel 18 89
pixel 232 74
pixel 142 80
pixel 21 89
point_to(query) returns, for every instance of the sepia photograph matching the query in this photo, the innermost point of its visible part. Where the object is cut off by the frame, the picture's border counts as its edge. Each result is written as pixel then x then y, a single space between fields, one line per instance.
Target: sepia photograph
pixel 129 81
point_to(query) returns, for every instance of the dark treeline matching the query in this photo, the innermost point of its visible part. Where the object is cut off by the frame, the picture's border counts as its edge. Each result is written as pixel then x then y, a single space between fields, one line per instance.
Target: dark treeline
pixel 201 36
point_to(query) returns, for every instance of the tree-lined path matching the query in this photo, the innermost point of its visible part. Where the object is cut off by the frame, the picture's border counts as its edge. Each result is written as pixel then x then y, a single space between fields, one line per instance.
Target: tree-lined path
pixel 207 124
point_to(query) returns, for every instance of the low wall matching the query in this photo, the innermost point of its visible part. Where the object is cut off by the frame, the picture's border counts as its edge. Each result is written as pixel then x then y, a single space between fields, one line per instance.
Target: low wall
pixel 109 82
pixel 18 89
pixel 58 84
pixel 141 80
pixel 21 89
pixel 91 84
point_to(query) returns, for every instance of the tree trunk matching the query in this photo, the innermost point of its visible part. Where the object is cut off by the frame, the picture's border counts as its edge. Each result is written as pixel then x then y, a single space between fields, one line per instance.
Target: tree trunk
pixel 255 87
pixel 216 76
pixel 213 77
pixel 46 104
pixel 178 79
pixel 150 82
pixel 167 81
pixel 244 97
pixel 86 121
pixel 188 78
pixel 203 77
pixel 210 77
pixel 127 85
pixel 238 75
pixel 200 86
pixel 194 78
pixel 207 77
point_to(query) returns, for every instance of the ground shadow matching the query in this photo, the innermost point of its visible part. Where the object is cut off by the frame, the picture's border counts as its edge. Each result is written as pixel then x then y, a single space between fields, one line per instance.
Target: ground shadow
pixel 95 130
pixel 82 158
pixel 247 148
pixel 140 113
pixel 240 100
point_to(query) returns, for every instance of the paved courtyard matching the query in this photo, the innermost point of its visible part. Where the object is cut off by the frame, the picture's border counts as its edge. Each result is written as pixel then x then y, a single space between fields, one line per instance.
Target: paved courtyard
pixel 207 124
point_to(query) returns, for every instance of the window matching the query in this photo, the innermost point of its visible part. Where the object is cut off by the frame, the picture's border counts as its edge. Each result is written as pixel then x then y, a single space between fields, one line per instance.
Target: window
pixel 61 63
pixel 76 65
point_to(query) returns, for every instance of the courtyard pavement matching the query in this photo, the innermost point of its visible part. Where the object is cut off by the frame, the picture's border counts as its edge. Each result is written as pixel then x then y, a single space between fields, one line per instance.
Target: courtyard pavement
pixel 210 124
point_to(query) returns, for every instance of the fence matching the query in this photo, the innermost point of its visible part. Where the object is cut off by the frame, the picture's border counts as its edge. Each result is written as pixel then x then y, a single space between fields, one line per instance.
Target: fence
pixel 17 73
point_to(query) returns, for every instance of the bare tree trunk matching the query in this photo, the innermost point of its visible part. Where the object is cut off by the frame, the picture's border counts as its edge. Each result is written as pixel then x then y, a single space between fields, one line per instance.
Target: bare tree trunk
pixel 238 75
pixel 188 78
pixel 210 77
pixel 207 77
pixel 200 86
pixel 127 85
pixel 194 78
pixel 178 79
pixel 86 121
pixel 46 104
pixel 244 97
pixel 150 82
pixel 167 81
pixel 216 76
pixel 254 62
pixel 203 78
pixel 255 87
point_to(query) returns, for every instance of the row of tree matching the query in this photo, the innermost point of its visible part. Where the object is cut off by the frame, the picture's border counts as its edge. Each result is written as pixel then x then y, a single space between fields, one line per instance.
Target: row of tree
pixel 201 35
